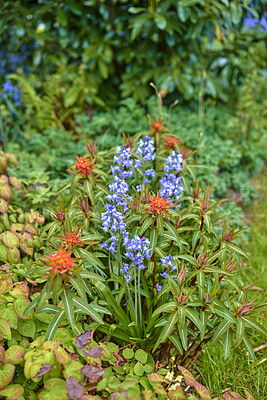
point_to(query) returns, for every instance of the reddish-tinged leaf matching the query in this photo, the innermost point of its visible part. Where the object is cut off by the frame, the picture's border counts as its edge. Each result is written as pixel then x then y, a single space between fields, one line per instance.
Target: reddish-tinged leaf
pixel 3 206
pixel 15 182
pixel 75 389
pixel 31 228
pixel 5 192
pixel 232 396
pixel 61 355
pixel 202 391
pixel 13 255
pixel 84 339
pixel 6 374
pixel 188 377
pixel 14 354
pixel 177 394
pixel 16 227
pixel 24 245
pixel 20 304
pixel 155 377
pixel 96 352
pixel 3 180
pixel 44 370
pixel 248 395
pixel 10 239
pixel 5 331
pixel 13 159
pixel 3 285
pixel 2 353
pixel 12 392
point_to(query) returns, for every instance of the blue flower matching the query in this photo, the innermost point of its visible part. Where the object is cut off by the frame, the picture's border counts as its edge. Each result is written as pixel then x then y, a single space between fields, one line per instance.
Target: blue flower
pixel 159 287
pixel 137 249
pixel 171 183
pixel 146 149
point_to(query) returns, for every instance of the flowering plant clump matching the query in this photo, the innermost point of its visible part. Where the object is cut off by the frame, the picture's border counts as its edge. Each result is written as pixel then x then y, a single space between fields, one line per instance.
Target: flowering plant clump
pixel 158 270
pixel 84 166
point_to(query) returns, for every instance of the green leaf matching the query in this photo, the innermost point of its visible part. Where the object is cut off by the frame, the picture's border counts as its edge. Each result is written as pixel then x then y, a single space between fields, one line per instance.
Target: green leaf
pixel 14 355
pixel 227 343
pixel 183 336
pixel 249 347
pixel 240 330
pixel 194 317
pixel 128 353
pixel 77 283
pixel 26 328
pixel 165 308
pixel 91 258
pixel 71 96
pixel 68 304
pixel 91 275
pixel 176 341
pixel 100 309
pixel 153 240
pixel 14 391
pixel 165 332
pixel 160 21
pixel 6 374
pixel 188 258
pixel 145 225
pixel 236 12
pixel 222 328
pixel 87 309
pixel 141 355
pixel 254 325
pixel 54 324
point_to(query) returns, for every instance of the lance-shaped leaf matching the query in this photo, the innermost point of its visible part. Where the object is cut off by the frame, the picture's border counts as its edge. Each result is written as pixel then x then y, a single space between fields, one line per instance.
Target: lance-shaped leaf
pixel 68 304
pixel 153 240
pixel 254 325
pixel 100 309
pixel 106 293
pixel 90 258
pixel 176 341
pixel 77 283
pixel 183 336
pixel 188 258
pixel 194 317
pixel 165 308
pixel 54 324
pixel 91 275
pixel 249 347
pixel 240 330
pixel 57 283
pixel 227 343
pixel 166 331
pixel 222 328
pixel 86 309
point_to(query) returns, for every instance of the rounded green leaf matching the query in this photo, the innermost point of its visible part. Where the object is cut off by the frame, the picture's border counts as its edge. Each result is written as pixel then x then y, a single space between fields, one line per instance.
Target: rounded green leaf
pixel 138 369
pixel 6 374
pixel 14 355
pixel 141 356
pixel 128 353
pixel 26 328
pixel 3 251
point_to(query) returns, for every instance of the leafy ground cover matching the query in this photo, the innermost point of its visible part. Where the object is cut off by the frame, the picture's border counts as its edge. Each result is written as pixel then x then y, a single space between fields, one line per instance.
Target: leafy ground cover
pixel 213 369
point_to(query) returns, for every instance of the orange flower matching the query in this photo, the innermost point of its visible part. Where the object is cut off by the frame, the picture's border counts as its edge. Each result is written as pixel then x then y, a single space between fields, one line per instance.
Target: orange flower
pixel 158 205
pixel 61 262
pixel 84 166
pixel 171 142
pixel 157 126
pixel 72 239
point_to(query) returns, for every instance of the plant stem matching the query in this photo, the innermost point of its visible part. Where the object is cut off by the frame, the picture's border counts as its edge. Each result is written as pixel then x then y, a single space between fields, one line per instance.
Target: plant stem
pixel 139 303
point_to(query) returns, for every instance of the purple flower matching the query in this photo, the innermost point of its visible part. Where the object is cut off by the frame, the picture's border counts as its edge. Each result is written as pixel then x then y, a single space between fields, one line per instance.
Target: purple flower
pixel 171 183
pixel 137 249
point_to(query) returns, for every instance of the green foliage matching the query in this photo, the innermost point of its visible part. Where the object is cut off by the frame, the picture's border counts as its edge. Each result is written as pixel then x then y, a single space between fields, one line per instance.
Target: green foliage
pixel 185 47
pixel 205 302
